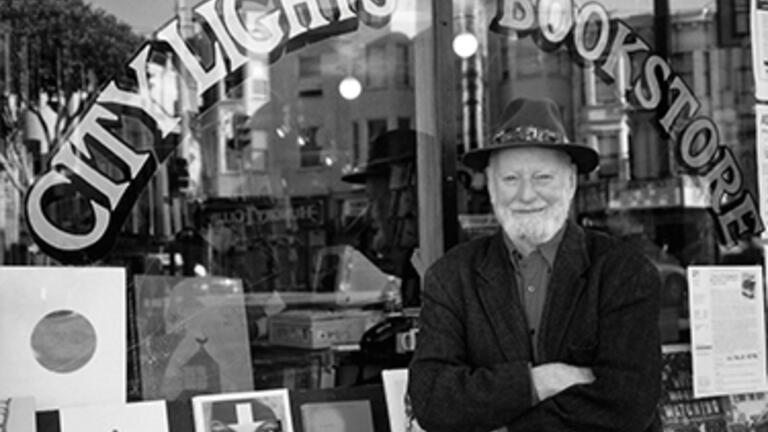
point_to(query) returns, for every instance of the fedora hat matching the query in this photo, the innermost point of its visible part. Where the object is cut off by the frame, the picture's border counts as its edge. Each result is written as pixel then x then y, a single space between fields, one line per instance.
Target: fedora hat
pixel 532 123
pixel 389 147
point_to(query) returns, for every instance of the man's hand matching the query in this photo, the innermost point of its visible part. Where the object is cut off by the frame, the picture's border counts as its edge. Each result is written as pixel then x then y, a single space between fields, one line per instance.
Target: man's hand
pixel 550 379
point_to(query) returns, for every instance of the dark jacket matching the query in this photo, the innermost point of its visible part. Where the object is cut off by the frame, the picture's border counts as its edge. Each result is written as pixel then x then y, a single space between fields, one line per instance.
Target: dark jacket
pixel 470 371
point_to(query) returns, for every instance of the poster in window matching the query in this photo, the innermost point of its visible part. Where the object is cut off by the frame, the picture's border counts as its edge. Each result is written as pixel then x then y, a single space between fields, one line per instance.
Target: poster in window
pixel 727 316
pixel 401 417
pixel 759 36
pixel 63 328
pixel 193 336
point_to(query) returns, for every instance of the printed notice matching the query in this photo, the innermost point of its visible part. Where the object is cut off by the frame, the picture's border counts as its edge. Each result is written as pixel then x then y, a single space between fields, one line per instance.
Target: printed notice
pixel 761 153
pixel 759 39
pixel 727 329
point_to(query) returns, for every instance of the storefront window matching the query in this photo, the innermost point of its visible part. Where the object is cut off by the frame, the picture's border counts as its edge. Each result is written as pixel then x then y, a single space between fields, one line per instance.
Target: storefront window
pixel 599 74
pixel 306 155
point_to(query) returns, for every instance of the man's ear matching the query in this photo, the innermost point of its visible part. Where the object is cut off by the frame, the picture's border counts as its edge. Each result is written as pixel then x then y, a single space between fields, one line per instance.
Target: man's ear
pixel 574 180
pixel 489 183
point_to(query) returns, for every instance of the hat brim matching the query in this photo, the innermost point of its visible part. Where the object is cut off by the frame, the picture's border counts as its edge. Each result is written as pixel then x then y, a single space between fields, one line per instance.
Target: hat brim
pixel 585 158
pixel 361 173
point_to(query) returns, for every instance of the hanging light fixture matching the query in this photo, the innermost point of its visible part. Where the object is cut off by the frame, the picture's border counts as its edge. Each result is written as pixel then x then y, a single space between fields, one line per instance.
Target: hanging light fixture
pixel 465 44
pixel 350 88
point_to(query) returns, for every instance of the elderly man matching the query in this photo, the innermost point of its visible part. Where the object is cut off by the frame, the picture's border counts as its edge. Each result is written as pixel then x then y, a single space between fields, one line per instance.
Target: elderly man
pixel 545 326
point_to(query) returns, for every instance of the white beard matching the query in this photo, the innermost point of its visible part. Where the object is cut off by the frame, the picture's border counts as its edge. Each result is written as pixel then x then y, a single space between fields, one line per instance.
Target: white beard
pixel 534 228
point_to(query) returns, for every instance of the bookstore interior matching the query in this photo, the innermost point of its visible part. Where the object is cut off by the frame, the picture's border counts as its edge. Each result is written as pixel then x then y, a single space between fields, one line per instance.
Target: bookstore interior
pixel 216 215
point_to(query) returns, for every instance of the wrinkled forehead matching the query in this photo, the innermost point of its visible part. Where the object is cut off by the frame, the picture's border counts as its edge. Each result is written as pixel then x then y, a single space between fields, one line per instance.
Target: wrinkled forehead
pixel 530 158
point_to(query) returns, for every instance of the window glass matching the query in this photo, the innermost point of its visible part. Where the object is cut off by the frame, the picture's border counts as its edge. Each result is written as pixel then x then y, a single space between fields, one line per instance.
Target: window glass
pixel 280 145
pixel 644 189
pixel 270 144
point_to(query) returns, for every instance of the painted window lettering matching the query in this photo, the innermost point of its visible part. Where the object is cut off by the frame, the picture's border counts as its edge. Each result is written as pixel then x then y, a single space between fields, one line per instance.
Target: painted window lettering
pixel 72 169
pixel 585 30
pixel 697 140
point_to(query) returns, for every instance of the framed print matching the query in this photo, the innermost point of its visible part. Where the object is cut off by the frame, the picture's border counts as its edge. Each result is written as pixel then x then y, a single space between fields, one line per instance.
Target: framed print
pixel 256 411
pixel 340 409
pixel 337 416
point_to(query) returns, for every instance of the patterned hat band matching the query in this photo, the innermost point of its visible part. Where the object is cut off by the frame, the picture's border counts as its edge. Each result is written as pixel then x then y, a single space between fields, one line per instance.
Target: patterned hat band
pixel 528 134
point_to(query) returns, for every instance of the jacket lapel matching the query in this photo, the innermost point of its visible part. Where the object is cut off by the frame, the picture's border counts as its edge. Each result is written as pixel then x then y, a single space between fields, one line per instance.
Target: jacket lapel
pixel 565 288
pixel 497 290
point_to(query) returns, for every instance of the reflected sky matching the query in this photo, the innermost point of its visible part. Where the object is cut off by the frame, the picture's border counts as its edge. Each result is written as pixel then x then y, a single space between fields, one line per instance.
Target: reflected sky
pixel 145 16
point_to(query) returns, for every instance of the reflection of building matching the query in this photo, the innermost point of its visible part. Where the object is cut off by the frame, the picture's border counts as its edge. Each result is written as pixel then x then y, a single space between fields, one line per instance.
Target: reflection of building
pixel 640 190
pixel 282 130
pixel 719 78
pixel 639 176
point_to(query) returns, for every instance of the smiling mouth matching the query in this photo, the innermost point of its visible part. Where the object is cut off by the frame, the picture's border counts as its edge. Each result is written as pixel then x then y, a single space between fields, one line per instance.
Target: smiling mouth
pixel 527 211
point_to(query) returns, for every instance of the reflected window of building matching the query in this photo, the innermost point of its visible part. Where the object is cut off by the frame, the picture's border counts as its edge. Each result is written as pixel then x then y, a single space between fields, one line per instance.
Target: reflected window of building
pixel 238 143
pixel 309 148
pixel 402 72
pixel 608 147
pixel 356 151
pixel 376 66
pixel 376 127
pixel 682 64
pixel 309 66
pixel 233 84
pixel 706 69
pixel 504 61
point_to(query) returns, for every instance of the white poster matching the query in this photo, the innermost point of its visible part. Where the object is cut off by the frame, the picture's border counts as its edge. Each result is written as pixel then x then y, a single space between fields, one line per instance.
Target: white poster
pixel 133 417
pixel 759 39
pixel 62 335
pixel 17 414
pixel 401 417
pixel 761 155
pixel 727 329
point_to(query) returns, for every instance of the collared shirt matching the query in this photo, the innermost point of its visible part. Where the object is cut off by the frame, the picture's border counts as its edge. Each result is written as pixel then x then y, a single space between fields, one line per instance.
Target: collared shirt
pixel 532 274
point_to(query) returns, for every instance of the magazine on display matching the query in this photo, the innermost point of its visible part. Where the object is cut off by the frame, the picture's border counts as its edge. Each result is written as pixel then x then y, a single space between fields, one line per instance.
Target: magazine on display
pixel 191 326
pixel 678 409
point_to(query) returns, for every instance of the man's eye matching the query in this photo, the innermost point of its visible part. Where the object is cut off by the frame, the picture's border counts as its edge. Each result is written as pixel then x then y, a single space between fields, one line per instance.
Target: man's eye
pixel 544 177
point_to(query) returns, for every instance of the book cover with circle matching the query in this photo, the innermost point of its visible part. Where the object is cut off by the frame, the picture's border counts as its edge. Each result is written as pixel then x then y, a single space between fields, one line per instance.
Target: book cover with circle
pixel 63 328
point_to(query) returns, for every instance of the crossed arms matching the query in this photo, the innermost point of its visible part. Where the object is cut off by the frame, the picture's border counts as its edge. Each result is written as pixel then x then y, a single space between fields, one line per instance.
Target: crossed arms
pixel 453 389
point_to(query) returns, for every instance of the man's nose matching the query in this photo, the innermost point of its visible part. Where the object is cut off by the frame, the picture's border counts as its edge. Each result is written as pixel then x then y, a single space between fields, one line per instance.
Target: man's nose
pixel 526 193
